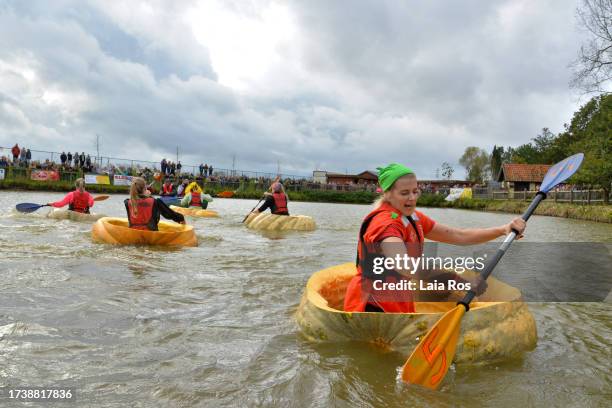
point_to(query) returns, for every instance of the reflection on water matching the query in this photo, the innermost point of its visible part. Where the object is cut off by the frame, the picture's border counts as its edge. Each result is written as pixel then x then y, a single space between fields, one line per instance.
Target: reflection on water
pixel 213 326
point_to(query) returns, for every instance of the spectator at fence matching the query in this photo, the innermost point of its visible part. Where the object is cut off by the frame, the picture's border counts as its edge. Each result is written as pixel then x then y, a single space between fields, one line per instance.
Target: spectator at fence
pixel 28 157
pixel 179 166
pixel 15 151
pixel 205 169
pixel 82 160
pixel 4 161
pixel 22 157
pixel 201 169
pixel 69 159
pixel 76 160
pixel 210 170
pixel 63 158
pixel 88 162
pixel 162 165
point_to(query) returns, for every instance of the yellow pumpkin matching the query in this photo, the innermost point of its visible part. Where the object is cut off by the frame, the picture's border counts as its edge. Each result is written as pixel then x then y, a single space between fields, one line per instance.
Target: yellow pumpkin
pixel 116 231
pixel 490 331
pixel 273 222
pixel 60 214
pixel 194 211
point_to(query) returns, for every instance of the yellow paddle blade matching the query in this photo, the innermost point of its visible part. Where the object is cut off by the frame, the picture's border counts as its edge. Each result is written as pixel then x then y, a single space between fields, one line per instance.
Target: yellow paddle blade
pixel 429 362
pixel 101 198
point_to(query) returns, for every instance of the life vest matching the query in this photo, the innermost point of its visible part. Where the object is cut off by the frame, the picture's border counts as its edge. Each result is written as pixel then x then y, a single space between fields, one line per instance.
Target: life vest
pixel 280 201
pixel 360 290
pixel 144 219
pixel 167 189
pixel 80 202
pixel 196 200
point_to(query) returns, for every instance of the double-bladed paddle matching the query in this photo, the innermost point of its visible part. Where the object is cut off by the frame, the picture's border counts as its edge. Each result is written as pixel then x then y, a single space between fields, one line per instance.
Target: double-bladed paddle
pixel 262 197
pixel 429 362
pixel 31 207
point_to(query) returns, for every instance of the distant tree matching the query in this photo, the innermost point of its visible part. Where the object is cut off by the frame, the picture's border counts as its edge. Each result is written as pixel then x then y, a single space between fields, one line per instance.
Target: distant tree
pixel 525 153
pixel 590 132
pixel 447 171
pixel 496 160
pixel 593 67
pixel 476 162
pixel 438 173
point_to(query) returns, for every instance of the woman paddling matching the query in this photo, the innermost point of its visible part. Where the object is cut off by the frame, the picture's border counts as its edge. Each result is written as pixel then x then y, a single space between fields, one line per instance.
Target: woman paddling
pixel 399 229
pixel 276 202
pixel 144 211
pixel 78 200
pixel 195 197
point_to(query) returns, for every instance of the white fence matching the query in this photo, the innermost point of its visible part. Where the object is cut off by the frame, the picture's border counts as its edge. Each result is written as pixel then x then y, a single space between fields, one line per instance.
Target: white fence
pixel 562 196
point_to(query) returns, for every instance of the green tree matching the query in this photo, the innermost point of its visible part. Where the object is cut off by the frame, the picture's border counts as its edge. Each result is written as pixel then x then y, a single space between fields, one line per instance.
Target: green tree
pixel 496 160
pixel 447 171
pixel 476 162
pixel 590 132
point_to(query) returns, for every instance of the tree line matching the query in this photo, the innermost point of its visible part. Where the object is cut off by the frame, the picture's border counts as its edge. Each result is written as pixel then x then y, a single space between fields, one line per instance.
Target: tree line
pixel 590 132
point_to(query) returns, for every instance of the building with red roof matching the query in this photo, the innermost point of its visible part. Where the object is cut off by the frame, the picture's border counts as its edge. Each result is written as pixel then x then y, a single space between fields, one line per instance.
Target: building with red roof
pixel 520 177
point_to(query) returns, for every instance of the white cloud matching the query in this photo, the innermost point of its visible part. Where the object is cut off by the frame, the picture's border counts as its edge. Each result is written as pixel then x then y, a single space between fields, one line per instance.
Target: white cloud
pixel 303 83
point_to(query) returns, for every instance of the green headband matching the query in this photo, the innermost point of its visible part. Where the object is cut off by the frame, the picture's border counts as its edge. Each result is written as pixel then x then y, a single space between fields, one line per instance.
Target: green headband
pixel 388 175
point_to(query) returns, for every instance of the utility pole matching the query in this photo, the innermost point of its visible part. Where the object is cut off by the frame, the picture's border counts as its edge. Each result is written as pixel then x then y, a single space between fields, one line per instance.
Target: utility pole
pixel 98 149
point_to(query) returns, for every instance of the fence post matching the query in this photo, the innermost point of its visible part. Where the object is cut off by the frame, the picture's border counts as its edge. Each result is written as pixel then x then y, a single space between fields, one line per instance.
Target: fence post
pixel 572 195
pixel 555 195
pixel 524 195
pixel 589 196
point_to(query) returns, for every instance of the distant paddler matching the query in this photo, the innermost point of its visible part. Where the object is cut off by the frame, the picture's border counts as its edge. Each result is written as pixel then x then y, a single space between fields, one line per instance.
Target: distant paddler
pixel 195 197
pixel 275 201
pixel 144 211
pixel 180 192
pixel 78 200
pixel 167 188
pixel 397 229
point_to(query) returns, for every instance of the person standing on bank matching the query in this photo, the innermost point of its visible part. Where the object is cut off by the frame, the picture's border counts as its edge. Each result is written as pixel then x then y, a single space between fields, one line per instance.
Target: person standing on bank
pixel 144 211
pixel 276 201
pixel 394 221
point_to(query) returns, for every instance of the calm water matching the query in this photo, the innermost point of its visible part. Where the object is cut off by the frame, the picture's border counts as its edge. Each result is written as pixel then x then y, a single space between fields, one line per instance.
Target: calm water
pixel 212 325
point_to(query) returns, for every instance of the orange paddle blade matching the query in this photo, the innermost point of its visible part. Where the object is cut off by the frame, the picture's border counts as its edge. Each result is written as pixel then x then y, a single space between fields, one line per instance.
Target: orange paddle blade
pixel 429 362
pixel 101 198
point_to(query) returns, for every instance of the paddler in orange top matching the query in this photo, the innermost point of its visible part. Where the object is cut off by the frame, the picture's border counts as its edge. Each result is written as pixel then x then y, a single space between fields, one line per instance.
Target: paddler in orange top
pixel 78 200
pixel 144 211
pixel 397 228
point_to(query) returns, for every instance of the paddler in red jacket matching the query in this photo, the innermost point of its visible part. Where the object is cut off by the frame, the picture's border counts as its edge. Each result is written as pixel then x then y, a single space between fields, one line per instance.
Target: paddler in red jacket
pixel 397 228
pixel 276 202
pixel 78 200
pixel 144 211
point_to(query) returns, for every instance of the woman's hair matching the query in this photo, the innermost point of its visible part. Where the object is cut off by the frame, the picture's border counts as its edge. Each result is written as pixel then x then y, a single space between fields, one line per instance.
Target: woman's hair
pixel 80 184
pixel 382 198
pixel 137 189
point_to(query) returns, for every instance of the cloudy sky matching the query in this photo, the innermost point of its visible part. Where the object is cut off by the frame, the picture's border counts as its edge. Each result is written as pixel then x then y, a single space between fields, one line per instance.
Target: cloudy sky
pixel 334 85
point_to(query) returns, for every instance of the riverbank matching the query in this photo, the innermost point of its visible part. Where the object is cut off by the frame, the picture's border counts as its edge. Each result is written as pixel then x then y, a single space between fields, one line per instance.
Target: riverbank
pixel 598 213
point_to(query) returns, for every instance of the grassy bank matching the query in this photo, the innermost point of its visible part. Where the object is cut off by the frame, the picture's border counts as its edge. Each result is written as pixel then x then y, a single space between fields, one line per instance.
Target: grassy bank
pixel 599 213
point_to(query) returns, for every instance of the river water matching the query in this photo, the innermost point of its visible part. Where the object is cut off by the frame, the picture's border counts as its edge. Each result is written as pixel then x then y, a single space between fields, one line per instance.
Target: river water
pixel 213 325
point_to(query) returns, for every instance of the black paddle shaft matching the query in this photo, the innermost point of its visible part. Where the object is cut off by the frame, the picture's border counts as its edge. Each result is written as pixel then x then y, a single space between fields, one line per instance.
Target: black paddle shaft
pixel 502 249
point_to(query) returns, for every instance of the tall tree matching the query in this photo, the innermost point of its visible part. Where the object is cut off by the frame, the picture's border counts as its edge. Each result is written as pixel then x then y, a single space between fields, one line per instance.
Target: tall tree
pixel 593 67
pixel 476 163
pixel 496 160
pixel 590 132
pixel 447 171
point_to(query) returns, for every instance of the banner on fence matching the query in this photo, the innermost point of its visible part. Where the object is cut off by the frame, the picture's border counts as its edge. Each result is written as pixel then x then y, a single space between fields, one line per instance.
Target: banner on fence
pixel 121 180
pixel 456 193
pixel 1 174
pixel 44 175
pixel 96 179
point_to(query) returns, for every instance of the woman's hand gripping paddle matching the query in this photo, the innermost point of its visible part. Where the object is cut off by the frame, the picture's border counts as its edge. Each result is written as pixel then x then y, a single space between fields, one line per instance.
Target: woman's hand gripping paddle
pixel 429 362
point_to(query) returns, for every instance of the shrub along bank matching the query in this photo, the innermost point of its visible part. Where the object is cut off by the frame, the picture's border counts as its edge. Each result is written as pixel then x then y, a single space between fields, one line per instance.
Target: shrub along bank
pixel 599 213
